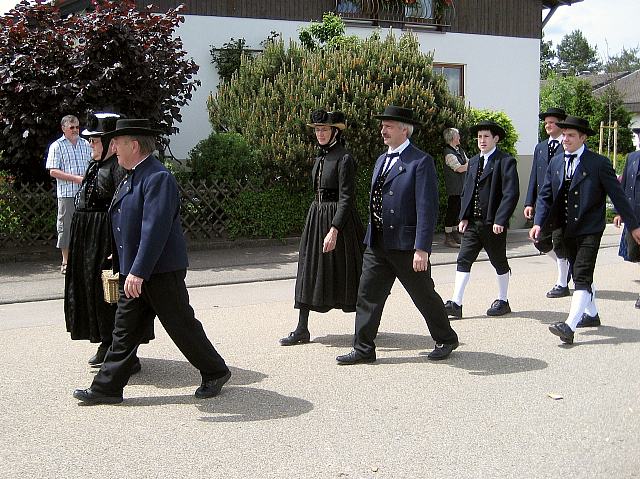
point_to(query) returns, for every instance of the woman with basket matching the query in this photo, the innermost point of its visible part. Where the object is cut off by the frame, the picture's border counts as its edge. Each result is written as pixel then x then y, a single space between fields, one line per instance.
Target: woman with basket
pixel 87 314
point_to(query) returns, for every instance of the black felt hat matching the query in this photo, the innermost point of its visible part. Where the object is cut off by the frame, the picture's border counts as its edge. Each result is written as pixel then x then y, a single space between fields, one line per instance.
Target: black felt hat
pixel 101 123
pixel 559 113
pixel 327 118
pixel 398 113
pixel 492 126
pixel 577 124
pixel 134 127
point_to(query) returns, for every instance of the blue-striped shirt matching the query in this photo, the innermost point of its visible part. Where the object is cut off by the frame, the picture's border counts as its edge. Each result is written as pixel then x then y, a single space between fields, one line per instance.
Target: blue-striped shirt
pixel 70 159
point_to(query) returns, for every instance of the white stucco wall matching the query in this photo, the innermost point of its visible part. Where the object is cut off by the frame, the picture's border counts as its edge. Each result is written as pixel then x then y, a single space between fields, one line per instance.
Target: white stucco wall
pixel 501 73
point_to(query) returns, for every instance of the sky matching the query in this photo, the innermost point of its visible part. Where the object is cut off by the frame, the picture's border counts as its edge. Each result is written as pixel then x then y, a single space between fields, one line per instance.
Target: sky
pixel 607 24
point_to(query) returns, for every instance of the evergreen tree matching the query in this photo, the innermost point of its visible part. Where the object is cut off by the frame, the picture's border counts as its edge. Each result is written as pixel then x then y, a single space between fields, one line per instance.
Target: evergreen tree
pixel 576 56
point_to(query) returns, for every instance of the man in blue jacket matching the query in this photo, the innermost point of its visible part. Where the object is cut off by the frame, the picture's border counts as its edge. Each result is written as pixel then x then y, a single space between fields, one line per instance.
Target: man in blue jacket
pixel 403 211
pixel 550 242
pixel 573 198
pixel 150 253
pixel 631 187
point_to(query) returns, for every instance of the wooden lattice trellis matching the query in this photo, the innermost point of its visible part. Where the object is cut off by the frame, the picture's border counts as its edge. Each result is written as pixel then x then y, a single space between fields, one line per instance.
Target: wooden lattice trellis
pixel 28 213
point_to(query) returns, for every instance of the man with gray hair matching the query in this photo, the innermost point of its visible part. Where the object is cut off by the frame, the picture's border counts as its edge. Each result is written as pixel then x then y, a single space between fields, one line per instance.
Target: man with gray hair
pixel 403 211
pixel 456 164
pixel 150 254
pixel 67 161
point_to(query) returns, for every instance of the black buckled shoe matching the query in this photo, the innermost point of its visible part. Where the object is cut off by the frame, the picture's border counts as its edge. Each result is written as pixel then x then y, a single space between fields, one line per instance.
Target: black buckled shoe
pixel 499 308
pixel 211 387
pixel 563 331
pixel 453 309
pixel 354 357
pixel 98 358
pixel 558 292
pixel 589 321
pixel 638 303
pixel 91 397
pixel 296 337
pixel 442 351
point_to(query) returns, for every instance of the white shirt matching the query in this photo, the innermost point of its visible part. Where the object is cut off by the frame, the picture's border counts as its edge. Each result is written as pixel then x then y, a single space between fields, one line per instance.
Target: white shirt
pixel 398 150
pixel 574 164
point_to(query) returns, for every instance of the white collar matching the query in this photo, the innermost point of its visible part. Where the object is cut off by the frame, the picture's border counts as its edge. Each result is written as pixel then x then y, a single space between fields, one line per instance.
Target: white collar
pixel 401 148
pixel 578 152
pixel 488 154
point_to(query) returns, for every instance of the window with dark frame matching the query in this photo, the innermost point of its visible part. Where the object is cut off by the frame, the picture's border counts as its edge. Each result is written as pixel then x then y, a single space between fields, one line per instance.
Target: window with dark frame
pixel 454 75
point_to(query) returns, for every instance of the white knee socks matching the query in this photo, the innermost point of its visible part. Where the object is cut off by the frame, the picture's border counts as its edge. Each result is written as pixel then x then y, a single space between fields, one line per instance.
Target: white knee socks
pixel 563 272
pixel 591 308
pixel 462 279
pixel 503 285
pixel 579 303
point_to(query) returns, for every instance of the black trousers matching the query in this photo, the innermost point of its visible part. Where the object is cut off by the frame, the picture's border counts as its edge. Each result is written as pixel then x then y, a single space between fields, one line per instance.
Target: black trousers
pixel 380 268
pixel 477 236
pixel 582 253
pixel 164 295
pixel 551 240
pixel 453 211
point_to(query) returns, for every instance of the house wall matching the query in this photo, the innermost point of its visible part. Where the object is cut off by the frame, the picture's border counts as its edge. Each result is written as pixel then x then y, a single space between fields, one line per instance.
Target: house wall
pixel 501 73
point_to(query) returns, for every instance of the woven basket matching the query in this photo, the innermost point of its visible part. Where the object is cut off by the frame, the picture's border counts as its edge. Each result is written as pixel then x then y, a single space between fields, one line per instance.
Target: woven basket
pixel 110 282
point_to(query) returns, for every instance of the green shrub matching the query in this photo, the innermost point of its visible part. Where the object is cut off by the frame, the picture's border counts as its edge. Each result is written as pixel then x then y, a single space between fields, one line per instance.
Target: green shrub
pixel 223 157
pixel 270 98
pixel 276 212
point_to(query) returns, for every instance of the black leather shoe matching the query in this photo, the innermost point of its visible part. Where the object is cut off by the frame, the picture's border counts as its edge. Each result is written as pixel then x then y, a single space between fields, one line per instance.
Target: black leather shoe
pixel 211 387
pixel 91 397
pixel 453 309
pixel 558 292
pixel 589 321
pixel 98 358
pixel 296 337
pixel 563 331
pixel 442 351
pixel 136 368
pixel 499 308
pixel 354 357
pixel 638 303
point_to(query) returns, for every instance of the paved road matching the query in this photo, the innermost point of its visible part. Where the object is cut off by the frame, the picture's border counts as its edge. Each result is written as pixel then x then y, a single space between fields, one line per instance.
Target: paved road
pixel 293 413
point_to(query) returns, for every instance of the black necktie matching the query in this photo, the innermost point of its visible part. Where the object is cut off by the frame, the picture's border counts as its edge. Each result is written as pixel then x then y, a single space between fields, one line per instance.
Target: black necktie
pixel 553 147
pixel 568 171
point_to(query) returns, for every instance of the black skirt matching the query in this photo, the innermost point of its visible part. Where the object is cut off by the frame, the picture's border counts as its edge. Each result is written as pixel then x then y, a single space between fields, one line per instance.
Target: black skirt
pixel 86 313
pixel 328 281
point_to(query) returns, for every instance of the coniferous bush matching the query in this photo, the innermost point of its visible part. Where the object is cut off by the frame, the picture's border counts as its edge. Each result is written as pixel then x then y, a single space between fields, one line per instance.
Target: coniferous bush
pixel 270 97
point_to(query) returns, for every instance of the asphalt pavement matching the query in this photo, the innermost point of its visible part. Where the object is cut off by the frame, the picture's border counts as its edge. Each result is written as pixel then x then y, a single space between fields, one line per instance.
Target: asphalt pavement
pixel 510 402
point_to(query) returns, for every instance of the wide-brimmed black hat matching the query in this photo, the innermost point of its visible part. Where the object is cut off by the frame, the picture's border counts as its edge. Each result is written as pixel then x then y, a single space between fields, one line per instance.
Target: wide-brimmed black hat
pixel 134 127
pixel 492 126
pixel 577 124
pixel 327 118
pixel 398 113
pixel 100 123
pixel 559 113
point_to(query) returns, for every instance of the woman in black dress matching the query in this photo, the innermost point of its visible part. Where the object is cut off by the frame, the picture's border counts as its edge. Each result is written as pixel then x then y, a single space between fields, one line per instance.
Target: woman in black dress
pixel 87 315
pixel 331 246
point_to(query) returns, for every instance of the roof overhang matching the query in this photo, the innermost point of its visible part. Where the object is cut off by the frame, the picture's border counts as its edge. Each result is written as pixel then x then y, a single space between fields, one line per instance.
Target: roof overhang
pixel 553 5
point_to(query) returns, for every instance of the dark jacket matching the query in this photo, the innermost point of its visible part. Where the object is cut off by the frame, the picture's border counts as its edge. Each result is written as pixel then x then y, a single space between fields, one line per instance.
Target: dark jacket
pixel 593 179
pixel 539 166
pixel 499 189
pixel 99 184
pixel 145 219
pixel 337 182
pixel 453 181
pixel 409 201
pixel 631 182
